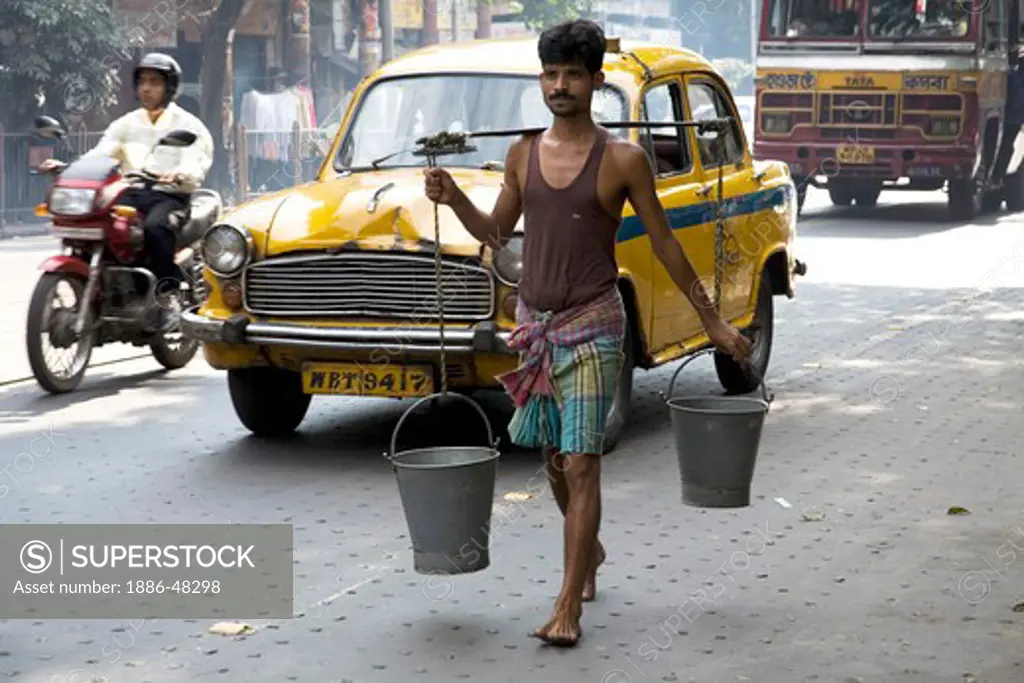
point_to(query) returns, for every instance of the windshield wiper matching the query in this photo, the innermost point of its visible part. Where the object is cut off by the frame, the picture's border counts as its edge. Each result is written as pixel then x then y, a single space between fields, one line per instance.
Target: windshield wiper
pixel 377 162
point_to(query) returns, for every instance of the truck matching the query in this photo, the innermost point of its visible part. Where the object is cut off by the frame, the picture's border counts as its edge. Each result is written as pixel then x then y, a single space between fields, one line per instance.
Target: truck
pixel 861 96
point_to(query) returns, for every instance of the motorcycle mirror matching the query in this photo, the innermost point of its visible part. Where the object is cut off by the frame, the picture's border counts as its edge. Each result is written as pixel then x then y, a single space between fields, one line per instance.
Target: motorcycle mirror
pixel 178 138
pixel 48 127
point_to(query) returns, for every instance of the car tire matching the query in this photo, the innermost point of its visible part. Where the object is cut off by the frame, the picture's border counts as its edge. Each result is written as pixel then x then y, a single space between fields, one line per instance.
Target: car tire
pixel 268 401
pixel 735 378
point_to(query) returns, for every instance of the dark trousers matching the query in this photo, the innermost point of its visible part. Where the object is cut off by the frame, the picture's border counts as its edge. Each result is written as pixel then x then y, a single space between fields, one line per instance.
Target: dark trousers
pixel 159 238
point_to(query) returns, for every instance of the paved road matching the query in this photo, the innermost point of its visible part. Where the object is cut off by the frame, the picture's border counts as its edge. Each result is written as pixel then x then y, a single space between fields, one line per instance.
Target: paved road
pixel 897 380
pixel 20 258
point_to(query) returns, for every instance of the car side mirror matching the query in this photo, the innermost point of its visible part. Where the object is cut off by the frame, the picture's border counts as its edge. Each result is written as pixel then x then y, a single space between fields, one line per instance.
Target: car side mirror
pixel 178 138
pixel 48 127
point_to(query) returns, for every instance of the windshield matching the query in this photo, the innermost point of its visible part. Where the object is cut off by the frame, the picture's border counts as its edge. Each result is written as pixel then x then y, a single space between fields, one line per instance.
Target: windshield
pixel 902 19
pixel 814 19
pixel 395 113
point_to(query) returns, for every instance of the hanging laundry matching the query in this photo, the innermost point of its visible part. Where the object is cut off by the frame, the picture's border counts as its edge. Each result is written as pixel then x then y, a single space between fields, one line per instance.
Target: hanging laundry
pixel 269 119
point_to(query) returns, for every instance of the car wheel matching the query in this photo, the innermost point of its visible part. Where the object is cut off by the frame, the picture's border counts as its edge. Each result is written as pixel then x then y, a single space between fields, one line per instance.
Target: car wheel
pixel 268 401
pixel 738 379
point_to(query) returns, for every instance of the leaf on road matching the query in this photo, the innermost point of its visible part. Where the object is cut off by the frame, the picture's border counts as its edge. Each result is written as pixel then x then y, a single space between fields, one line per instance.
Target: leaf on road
pixel 812 515
pixel 1019 607
pixel 518 496
pixel 230 628
pixel 957 510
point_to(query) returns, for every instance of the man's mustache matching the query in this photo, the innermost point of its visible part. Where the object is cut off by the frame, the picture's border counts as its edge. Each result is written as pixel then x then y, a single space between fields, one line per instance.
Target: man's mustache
pixel 561 96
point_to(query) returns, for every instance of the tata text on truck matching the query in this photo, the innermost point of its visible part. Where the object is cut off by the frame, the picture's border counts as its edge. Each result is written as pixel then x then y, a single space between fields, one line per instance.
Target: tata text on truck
pixel 858 96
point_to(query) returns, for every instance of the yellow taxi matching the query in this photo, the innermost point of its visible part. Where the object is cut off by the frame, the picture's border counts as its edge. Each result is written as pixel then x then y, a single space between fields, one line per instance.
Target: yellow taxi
pixel 330 288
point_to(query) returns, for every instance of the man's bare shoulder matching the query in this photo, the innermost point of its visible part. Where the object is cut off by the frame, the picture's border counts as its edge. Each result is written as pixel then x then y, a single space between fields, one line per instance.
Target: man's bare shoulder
pixel 516 157
pixel 628 156
pixel 518 150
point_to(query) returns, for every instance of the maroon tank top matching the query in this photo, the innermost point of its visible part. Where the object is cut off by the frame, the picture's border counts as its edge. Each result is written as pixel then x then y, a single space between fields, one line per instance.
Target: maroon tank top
pixel 569 237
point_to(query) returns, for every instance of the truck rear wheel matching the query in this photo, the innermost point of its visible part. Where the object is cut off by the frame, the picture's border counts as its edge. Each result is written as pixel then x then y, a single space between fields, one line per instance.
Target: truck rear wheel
pixel 965 201
pixel 867 195
pixel 840 193
pixel 1013 190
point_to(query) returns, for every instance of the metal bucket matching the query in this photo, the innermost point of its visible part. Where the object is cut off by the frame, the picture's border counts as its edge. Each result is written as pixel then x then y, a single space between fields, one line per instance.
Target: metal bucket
pixel 717 440
pixel 447 494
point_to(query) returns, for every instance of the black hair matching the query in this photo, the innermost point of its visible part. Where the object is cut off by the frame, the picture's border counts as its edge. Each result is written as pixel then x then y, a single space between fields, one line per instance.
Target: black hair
pixel 577 40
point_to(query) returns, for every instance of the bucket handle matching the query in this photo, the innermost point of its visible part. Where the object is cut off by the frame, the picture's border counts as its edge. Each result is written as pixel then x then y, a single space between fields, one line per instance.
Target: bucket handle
pixel 768 398
pixel 491 441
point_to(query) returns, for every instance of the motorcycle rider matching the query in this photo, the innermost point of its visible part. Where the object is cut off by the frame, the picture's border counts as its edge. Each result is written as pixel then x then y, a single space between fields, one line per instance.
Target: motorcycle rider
pixel 181 170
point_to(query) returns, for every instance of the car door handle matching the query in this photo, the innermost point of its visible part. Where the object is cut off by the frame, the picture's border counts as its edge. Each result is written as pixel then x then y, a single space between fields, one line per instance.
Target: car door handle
pixel 705 191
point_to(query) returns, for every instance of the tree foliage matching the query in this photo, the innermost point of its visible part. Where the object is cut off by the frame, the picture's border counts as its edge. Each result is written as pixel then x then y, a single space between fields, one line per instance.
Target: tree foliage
pixel 57 55
pixel 540 14
pixel 737 73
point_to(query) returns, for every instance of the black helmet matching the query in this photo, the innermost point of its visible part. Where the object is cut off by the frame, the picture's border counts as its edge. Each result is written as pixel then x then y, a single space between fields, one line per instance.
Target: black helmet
pixel 157 61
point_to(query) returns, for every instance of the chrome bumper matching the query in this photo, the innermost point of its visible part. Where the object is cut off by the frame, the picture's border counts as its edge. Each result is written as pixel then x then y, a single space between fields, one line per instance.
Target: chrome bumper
pixel 481 338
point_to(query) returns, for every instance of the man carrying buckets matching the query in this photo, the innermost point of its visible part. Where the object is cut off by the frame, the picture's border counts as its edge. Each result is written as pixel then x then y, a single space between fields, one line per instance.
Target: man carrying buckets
pixel 570 183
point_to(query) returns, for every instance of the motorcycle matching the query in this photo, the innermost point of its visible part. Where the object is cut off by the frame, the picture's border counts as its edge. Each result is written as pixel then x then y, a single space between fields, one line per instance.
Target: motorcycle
pixel 113 297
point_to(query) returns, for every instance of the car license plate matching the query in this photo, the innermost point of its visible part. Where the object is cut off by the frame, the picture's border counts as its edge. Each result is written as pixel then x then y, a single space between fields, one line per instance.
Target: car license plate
pixel 355 379
pixel 855 154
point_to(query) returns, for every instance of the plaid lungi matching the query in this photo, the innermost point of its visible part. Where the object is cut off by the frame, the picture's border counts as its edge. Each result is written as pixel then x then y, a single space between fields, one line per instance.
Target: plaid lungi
pixel 569 364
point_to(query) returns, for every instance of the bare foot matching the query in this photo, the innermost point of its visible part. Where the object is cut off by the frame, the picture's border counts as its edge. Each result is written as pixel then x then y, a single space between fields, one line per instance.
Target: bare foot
pixel 590 586
pixel 562 630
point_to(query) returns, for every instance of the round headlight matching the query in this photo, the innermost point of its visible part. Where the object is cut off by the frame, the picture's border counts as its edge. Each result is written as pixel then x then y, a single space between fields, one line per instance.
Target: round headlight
pixel 225 249
pixel 508 261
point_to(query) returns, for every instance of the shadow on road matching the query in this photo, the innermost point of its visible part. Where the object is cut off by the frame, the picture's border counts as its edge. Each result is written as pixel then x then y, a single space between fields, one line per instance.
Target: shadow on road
pixel 98 383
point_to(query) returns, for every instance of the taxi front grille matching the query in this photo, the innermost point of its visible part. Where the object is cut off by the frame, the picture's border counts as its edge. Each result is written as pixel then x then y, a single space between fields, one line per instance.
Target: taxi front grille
pixel 368 285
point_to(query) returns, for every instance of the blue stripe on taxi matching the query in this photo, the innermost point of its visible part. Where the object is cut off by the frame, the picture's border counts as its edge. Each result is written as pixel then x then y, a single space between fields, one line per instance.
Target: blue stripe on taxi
pixel 699 214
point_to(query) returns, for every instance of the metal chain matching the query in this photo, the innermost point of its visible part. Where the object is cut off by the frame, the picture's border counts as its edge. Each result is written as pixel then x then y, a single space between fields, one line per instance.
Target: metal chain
pixel 719 228
pixel 432 162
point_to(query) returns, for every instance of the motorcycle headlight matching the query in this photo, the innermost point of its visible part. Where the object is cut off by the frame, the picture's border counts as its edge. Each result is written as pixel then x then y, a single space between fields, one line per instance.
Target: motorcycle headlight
pixel 508 261
pixel 226 249
pixel 65 201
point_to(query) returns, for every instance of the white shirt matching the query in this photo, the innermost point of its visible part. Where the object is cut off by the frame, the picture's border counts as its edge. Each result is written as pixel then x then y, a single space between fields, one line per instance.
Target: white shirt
pixel 131 138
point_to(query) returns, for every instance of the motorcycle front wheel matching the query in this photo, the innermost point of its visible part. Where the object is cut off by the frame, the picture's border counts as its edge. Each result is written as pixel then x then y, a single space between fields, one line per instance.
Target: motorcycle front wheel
pixel 172 349
pixel 50 331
